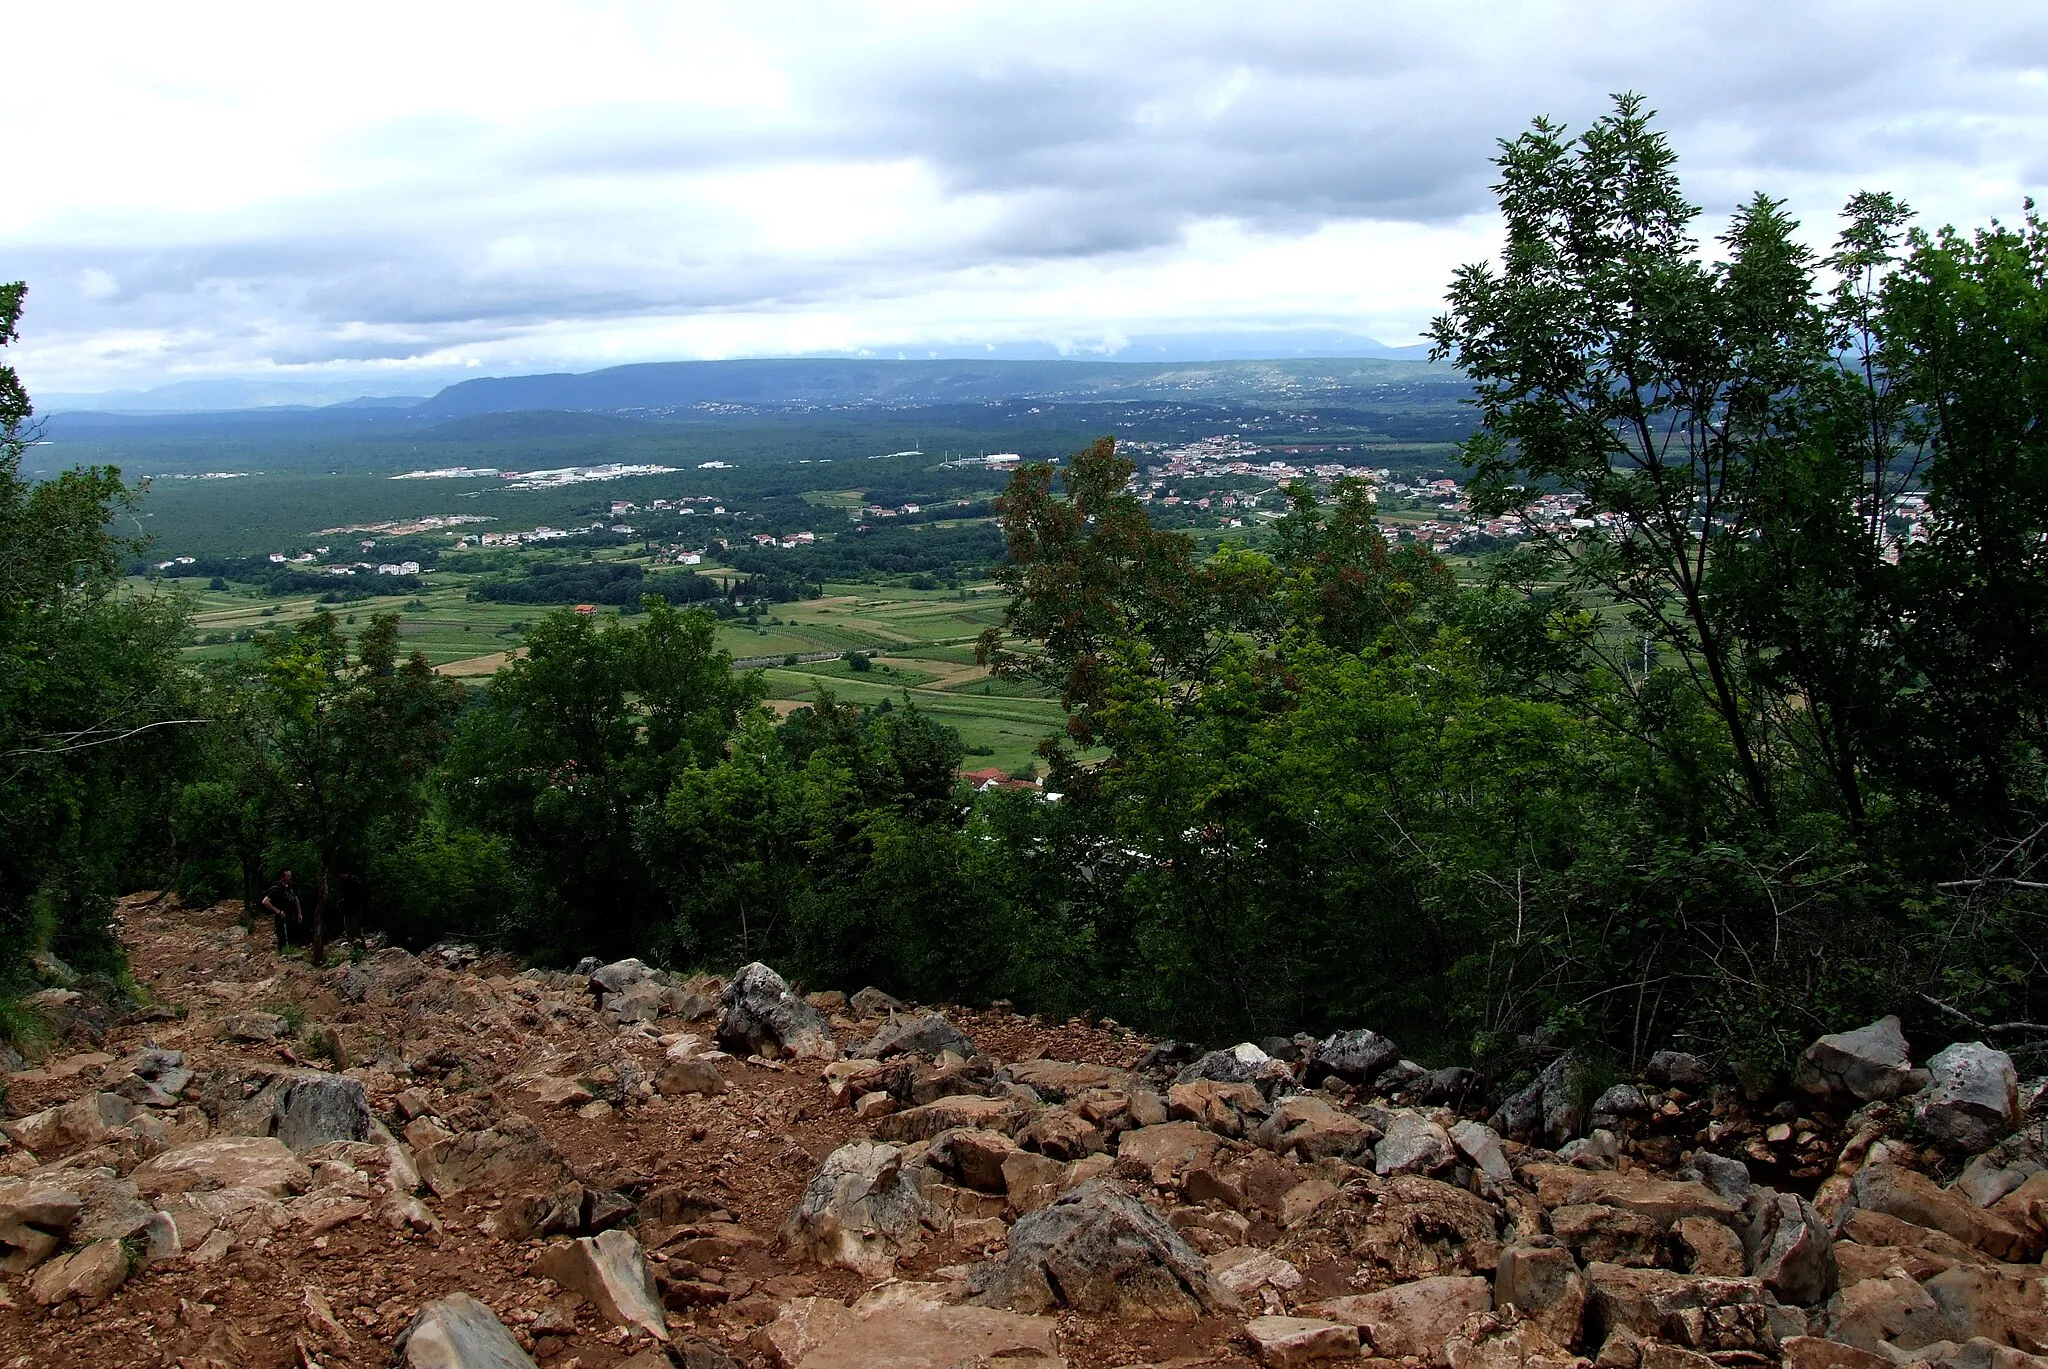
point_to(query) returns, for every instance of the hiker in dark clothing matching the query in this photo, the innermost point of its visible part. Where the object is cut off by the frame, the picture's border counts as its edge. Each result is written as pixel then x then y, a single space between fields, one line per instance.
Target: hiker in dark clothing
pixel 282 901
pixel 349 896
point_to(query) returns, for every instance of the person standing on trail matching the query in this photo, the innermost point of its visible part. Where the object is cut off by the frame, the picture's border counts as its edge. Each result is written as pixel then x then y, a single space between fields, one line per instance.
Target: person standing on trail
pixel 282 900
pixel 349 897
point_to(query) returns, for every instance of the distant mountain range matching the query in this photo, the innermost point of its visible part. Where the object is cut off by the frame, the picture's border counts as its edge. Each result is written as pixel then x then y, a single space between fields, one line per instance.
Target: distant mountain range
pixel 677 389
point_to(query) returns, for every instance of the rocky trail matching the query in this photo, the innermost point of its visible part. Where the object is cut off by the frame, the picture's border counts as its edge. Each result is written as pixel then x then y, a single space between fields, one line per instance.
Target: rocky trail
pixel 445 1162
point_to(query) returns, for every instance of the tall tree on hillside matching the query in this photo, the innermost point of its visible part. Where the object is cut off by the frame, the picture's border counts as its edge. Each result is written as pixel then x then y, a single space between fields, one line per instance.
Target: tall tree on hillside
pixel 1611 359
pixel 342 740
pixel 88 690
pixel 573 742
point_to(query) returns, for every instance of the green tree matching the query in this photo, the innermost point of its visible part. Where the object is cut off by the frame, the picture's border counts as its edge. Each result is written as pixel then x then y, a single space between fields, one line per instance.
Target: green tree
pixel 90 698
pixel 1611 359
pixel 342 742
pixel 571 743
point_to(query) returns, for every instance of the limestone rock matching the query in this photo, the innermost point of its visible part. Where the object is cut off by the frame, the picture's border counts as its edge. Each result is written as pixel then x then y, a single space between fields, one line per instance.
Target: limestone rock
pixel 1872 1312
pixel 1478 1143
pixel 1412 1319
pixel 1597 1233
pixel 761 1016
pixel 1353 1056
pixel 1164 1154
pixel 1791 1249
pixel 912 1326
pixel 1705 1314
pixel 1500 1340
pixel 511 1154
pixel 1309 1128
pixel 1867 1064
pixel 1286 1342
pixel 87 1274
pixel 1420 1227
pixel 381 979
pixel 1226 1109
pixel 1243 1063
pixel 255 1027
pixel 872 1002
pixel 1545 1285
pixel 973 1158
pixel 1812 1352
pixel 83 1121
pixel 1245 1269
pixel 1547 1110
pixel 1414 1144
pixel 1061 1134
pixel 1662 1200
pixel 1704 1246
pixel 609 1269
pixel 34 1205
pixel 458 1332
pixel 1056 1079
pixel 958 1110
pixel 1677 1069
pixel 1975 1096
pixel 928 1035
pixel 860 1211
pixel 689 1076
pixel 1727 1178
pixel 1913 1197
pixel 319 1108
pixel 1980 1304
pixel 260 1163
pixel 1099 1251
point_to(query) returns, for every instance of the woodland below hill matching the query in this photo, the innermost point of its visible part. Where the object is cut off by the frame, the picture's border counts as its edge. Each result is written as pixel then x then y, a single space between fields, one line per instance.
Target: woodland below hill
pixel 444 1161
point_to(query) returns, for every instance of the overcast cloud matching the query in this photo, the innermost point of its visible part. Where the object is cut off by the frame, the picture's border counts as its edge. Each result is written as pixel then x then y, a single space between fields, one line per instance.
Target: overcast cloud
pixel 402 194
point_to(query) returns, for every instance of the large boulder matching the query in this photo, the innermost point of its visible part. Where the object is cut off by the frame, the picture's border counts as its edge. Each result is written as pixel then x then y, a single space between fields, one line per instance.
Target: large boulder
pixel 1356 1056
pixel 1301 1342
pixel 1309 1128
pixel 35 1216
pixel 1549 1110
pixel 761 1016
pixel 1865 1065
pixel 1887 1313
pixel 1545 1285
pixel 261 1163
pixel 1100 1252
pixel 1704 1314
pixel 1419 1228
pixel 1974 1098
pixel 83 1121
pixel 319 1108
pixel 1677 1069
pixel 1412 1320
pixel 1414 1144
pixel 908 1326
pixel 1913 1197
pixel 928 1034
pixel 610 1271
pixel 1243 1063
pixel 458 1332
pixel 860 1211
pixel 511 1154
pixel 88 1274
pixel 1662 1200
pixel 1791 1249
pixel 382 979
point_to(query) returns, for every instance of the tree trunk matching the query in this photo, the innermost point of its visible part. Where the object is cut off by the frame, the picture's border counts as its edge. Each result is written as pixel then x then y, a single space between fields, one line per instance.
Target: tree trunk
pixel 317 956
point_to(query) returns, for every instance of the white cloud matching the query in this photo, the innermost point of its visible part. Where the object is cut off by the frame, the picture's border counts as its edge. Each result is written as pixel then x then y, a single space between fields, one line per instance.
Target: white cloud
pixel 392 190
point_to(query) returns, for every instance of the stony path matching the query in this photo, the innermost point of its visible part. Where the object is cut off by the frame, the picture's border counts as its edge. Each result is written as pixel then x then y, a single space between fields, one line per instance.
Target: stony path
pixel 276 1165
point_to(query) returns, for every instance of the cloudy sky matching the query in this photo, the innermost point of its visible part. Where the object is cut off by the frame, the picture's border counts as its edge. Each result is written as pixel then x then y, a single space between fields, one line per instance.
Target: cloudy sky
pixel 386 197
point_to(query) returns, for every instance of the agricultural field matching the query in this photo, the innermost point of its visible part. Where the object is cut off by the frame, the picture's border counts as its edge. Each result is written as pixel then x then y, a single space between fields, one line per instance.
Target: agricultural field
pixel 920 645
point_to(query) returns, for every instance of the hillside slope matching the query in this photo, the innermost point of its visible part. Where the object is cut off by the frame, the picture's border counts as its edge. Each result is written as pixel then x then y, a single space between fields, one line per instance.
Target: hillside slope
pixel 279 1165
